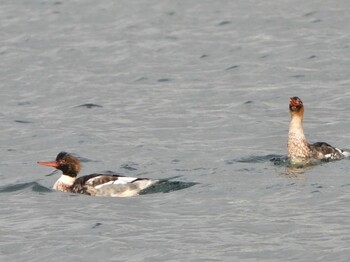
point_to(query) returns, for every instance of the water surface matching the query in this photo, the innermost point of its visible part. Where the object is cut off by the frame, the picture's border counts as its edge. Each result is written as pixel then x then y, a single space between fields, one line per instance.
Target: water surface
pixel 193 90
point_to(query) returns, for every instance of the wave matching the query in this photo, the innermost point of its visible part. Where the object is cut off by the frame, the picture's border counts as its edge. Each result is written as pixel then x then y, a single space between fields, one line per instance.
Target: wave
pixel 34 186
pixel 278 160
pixel 167 186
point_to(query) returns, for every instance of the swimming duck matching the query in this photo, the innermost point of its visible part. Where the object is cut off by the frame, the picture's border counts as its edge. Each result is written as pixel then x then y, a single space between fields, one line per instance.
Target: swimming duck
pixel 95 184
pixel 299 150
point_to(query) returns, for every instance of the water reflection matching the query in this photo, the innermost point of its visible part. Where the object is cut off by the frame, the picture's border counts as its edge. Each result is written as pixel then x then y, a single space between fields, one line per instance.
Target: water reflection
pixel 296 173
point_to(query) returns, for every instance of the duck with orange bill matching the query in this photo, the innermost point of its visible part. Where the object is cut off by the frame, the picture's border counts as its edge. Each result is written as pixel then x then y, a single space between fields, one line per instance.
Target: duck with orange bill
pixel 95 184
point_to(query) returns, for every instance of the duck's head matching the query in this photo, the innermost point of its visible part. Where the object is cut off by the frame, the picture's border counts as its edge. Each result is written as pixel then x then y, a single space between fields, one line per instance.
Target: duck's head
pixel 296 105
pixel 68 164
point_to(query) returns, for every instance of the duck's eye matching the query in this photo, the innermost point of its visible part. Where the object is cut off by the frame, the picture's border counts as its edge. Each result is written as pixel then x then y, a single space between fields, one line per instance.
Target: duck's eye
pixel 62 162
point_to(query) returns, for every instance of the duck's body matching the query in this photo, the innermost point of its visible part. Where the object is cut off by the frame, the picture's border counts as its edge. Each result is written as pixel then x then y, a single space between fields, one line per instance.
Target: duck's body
pixel 95 184
pixel 300 152
pixel 103 185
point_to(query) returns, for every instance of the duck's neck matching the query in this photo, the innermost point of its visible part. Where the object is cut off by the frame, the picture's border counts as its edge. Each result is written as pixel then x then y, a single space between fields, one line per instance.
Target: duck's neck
pixel 296 126
pixel 298 149
pixel 64 183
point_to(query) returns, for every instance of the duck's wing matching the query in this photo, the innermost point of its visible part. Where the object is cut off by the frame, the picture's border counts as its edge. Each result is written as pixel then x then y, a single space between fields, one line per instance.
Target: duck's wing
pixel 111 185
pixel 86 184
pixel 322 150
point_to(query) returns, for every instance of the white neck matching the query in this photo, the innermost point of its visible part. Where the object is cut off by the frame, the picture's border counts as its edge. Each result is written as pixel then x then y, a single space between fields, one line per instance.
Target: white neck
pixel 64 179
pixel 296 127
pixel 298 150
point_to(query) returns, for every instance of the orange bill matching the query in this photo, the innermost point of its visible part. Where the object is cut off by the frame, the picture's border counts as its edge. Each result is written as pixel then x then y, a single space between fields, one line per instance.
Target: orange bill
pixel 52 164
pixel 293 102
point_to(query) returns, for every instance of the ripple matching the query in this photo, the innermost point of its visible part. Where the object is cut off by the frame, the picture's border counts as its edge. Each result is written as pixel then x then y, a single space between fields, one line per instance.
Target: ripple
pixel 89 105
pixel 167 186
pixel 25 103
pixel 34 186
pixel 298 76
pixel 224 23
pixel 232 67
pixel 54 172
pixel 143 78
pixel 98 224
pixel 164 80
pixel 310 13
pixel 23 121
pixel 276 159
pixel 85 159
pixel 129 166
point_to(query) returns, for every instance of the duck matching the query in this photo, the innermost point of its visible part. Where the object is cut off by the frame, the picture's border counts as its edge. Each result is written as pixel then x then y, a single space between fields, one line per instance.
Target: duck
pixel 113 185
pixel 300 152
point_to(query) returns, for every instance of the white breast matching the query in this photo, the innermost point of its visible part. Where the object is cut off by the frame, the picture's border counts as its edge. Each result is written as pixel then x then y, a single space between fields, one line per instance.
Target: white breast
pixel 65 181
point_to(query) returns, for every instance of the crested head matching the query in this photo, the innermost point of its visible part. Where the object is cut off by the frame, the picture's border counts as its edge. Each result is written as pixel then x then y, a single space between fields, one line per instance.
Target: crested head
pixel 296 106
pixel 68 164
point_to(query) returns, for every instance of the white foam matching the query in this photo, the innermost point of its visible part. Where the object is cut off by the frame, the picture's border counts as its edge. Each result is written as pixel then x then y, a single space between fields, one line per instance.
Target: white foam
pixel 346 153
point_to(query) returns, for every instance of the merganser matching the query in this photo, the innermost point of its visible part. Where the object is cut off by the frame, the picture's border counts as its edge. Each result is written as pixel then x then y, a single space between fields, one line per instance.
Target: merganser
pixel 95 184
pixel 300 152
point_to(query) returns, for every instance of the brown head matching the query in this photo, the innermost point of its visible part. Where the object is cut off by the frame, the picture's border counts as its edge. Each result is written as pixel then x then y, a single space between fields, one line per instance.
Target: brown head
pixel 296 106
pixel 68 164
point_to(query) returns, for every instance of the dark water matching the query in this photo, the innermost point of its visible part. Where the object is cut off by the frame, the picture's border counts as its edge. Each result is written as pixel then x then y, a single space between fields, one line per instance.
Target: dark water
pixel 196 90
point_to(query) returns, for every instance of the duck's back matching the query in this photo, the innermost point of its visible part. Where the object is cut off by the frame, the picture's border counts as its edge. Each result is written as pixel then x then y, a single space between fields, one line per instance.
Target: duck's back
pixel 322 150
pixel 110 185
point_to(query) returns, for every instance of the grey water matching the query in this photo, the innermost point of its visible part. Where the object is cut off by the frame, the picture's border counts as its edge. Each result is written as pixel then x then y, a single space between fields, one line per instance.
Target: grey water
pixel 195 90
